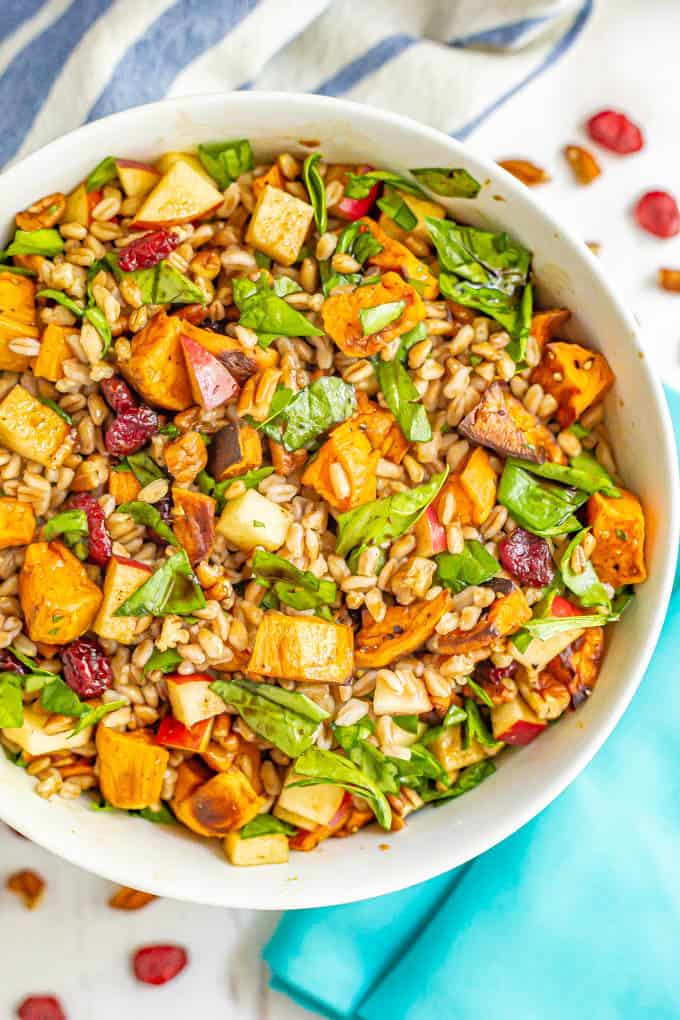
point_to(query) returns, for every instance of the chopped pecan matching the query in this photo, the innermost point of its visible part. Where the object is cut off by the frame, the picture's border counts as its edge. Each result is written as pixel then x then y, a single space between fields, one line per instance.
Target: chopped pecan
pixel 28 885
pixel 44 213
pixel 525 171
pixel 127 898
pixel 669 279
pixel 583 163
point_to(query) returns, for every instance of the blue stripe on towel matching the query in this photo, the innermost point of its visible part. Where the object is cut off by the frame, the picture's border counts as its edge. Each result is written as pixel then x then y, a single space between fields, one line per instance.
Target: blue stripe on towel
pixel 15 13
pixel 174 40
pixel 500 36
pixel 34 70
pixel 361 67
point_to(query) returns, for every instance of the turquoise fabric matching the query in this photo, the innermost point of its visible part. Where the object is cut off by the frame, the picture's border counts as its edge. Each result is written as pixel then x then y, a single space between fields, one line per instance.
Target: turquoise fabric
pixel 575 917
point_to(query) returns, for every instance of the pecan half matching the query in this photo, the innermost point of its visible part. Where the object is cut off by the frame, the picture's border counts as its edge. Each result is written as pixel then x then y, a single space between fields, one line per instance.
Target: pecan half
pixel 28 885
pixel 127 898
pixel 44 213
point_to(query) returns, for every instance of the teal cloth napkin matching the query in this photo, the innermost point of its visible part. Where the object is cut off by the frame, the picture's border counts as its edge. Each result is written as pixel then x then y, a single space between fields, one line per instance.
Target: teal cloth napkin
pixel 575 916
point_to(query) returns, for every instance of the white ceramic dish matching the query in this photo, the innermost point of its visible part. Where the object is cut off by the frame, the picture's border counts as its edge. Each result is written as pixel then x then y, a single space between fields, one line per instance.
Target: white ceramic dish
pixel 171 862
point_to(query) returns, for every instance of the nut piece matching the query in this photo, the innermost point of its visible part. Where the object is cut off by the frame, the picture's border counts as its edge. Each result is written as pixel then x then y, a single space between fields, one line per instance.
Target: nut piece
pixel 127 898
pixel 44 213
pixel 28 885
pixel 526 172
pixel 583 163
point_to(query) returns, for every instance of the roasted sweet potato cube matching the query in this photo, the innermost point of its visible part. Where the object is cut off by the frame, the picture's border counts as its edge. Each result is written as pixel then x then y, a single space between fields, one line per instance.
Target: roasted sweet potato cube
pixel 348 447
pixel 221 805
pixel 131 768
pixel 544 325
pixel 381 429
pixel 186 457
pixel 402 630
pixel 479 483
pixel 194 522
pixel 279 225
pixel 302 648
pixel 342 322
pixel 273 178
pixel 235 449
pixel 191 774
pixel 123 486
pixel 503 424
pixel 17 522
pixel 505 617
pixel 575 376
pixel 397 256
pixel 32 429
pixel 619 529
pixel 54 351
pixel 17 318
pixel 285 462
pixel 156 367
pixel 58 599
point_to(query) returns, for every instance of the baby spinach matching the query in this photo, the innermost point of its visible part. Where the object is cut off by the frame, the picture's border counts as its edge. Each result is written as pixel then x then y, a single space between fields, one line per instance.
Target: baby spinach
pixel 17 271
pixel 251 480
pixel 584 472
pixel 316 190
pixel 542 508
pixel 52 404
pixel 160 285
pixel 62 299
pixel 58 697
pixel 394 206
pixel 355 240
pixel 165 661
pixel 480 693
pixel 266 825
pixel 163 816
pixel 150 517
pixel 95 714
pixel 544 627
pixel 586 584
pixel 473 565
pixel 92 312
pixel 11 704
pixel 450 182
pixel 67 523
pixel 319 766
pixel 454 716
pixel 171 589
pixel 268 314
pixel 286 719
pixel 360 185
pixel 143 467
pixel 374 764
pixel 375 319
pixel 226 161
pixel 299 589
pixel 103 173
pixel 476 728
pixel 385 519
pixel 47 242
pixel 299 418
pixel 468 778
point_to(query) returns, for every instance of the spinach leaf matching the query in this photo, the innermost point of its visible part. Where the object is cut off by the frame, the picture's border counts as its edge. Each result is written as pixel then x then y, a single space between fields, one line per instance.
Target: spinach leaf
pixel 266 825
pixel 584 472
pixel 264 311
pixel 251 480
pixel 58 697
pixel 353 560
pixel 359 185
pixel 62 299
pixel 11 704
pixel 542 508
pixel 93 715
pixel 103 173
pixel 18 271
pixel 30 663
pixel 169 430
pixel 300 589
pixel 143 467
pixel 384 519
pixel 286 719
pixel 161 284
pixel 473 565
pixel 394 206
pixel 491 302
pixel 52 404
pixel 479 256
pixel 480 693
pixel 271 426
pixel 407 723
pixel 454 715
pixel 476 728
pixel 448 181
pixel 402 397
pixel 469 777
pixel 171 589
pixel 316 190
pixel 517 348
pixel 226 161
pixel 375 319
pixel 306 415
pixel 545 627
pixel 67 523
pixel 587 585
pixel 163 816
pixel 96 316
pixel 355 240
pixel 329 767
pixel 420 767
pixel 166 661
pixel 380 769
pixel 149 516
pixel 47 242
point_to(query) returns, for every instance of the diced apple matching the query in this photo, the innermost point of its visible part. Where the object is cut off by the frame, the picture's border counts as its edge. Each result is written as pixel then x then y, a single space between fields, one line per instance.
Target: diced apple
pixel 122 578
pixel 191 699
pixel 252 520
pixel 32 739
pixel 421 207
pixel 307 806
pixel 168 160
pixel 244 853
pixel 136 178
pixel 403 738
pixel 173 733
pixel 450 753
pixel 32 429
pixel 181 195
pixel 412 700
pixel 77 208
pixel 513 722
pixel 211 384
pixel 538 653
pixel 430 534
pixel 279 225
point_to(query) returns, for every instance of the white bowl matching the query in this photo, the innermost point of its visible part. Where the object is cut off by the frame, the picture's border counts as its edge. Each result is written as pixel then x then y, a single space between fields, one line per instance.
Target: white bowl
pixel 170 862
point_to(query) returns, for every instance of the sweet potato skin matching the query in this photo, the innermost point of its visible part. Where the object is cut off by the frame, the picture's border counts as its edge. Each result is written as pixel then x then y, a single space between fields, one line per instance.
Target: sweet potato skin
pixel 505 617
pixel 544 325
pixel 58 599
pixel 17 522
pixel 397 256
pixel 156 367
pixel 302 648
pixel 194 522
pixel 131 767
pixel 224 803
pixel 402 630
pixel 381 429
pixel 501 423
pixel 619 529
pixel 575 376
pixel 341 315
pixel 185 457
pixel 577 667
pixel 349 447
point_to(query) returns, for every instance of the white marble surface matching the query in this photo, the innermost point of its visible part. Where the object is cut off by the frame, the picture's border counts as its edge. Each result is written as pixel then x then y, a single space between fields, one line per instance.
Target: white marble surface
pixel 74 944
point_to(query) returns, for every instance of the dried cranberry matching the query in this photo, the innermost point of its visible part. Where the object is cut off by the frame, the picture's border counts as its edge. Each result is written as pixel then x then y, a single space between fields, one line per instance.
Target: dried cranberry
pixel 614 131
pixel 164 507
pixel 40 1007
pixel 118 394
pixel 215 325
pixel 527 557
pixel 486 672
pixel 87 671
pixel 10 664
pixel 147 251
pixel 100 545
pixel 657 212
pixel 155 965
pixel 131 430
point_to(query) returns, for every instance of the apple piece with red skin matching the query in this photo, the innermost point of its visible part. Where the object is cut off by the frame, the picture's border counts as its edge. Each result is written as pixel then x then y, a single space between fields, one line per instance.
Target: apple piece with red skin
pixel 136 178
pixel 211 383
pixel 563 607
pixel 79 205
pixel 513 722
pixel 191 699
pixel 430 534
pixel 173 733
pixel 181 195
pixel 307 839
pixel 354 208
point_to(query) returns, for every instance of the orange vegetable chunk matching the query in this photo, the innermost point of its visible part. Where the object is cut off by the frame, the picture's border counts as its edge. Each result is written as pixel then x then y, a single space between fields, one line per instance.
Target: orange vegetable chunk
pixel 17 522
pixel 402 630
pixel 575 376
pixel 341 315
pixel 131 767
pixel 302 648
pixel 619 529
pixel 58 599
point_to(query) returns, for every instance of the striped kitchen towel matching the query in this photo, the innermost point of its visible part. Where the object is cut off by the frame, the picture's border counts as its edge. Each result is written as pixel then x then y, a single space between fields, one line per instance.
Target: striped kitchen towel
pixel 446 62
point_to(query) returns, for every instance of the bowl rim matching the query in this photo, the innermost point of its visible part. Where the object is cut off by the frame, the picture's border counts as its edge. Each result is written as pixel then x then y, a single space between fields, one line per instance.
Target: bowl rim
pixel 384 880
